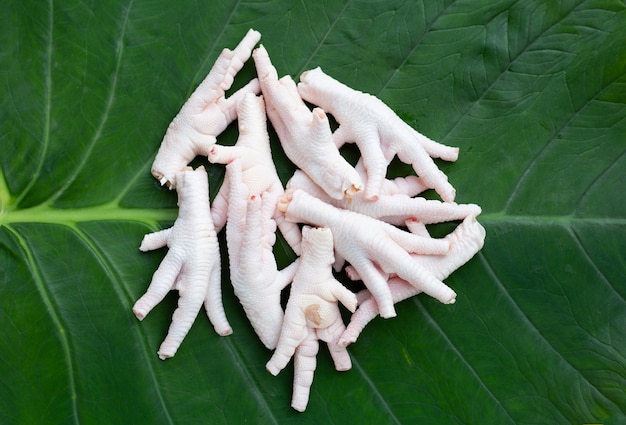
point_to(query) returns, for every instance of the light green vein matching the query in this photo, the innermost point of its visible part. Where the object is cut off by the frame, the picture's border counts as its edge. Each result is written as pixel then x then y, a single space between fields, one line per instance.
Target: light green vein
pixel 121 194
pixel 357 366
pixel 542 220
pixel 490 270
pixel 415 46
pixel 247 376
pixel 576 238
pixel 458 353
pixel 106 212
pixel 47 105
pixel 152 216
pixel 5 194
pixel 549 141
pixel 125 298
pixel 55 317
pixel 597 180
pixel 325 36
pixel 119 46
pixel 503 72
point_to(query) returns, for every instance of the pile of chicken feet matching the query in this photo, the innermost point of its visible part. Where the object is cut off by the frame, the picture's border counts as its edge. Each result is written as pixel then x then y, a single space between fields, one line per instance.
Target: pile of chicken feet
pixel 332 214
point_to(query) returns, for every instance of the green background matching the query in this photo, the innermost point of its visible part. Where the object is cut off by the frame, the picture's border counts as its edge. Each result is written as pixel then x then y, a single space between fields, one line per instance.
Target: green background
pixel 533 93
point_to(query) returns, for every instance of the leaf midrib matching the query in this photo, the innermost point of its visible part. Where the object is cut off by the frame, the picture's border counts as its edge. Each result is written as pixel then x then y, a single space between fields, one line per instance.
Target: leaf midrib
pixel 105 212
pixel 151 216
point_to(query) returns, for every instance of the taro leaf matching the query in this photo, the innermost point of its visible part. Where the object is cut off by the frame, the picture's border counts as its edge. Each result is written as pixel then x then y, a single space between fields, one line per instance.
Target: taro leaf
pixel 534 94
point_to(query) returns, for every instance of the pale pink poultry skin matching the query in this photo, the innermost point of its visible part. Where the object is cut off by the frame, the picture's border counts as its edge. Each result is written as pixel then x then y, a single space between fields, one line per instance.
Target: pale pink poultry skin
pixel 465 241
pixel 378 132
pixel 392 205
pixel 250 237
pixel 312 314
pixel 369 245
pixel 253 152
pixel 191 265
pixel 305 135
pixel 206 113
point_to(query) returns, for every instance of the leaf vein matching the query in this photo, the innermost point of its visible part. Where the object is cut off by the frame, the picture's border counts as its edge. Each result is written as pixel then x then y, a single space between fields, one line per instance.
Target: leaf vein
pixel 107 109
pixel 125 299
pixel 415 46
pixel 247 376
pixel 548 142
pixel 47 107
pixel 54 315
pixel 527 48
pixel 597 180
pixel 325 36
pixel 473 372
pixel 490 270
pixel 581 247
pixel 377 393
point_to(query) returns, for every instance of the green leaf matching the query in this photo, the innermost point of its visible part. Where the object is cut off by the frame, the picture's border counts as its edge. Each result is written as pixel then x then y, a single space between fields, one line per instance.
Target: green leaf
pixel 533 93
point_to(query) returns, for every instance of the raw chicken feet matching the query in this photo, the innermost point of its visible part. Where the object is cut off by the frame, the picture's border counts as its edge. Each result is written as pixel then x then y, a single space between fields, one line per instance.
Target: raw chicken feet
pixel 191 265
pixel 378 132
pixel 370 245
pixel 206 113
pixel 392 206
pixel 465 241
pixel 360 213
pixel 312 313
pixel 305 136
pixel 258 171
pixel 250 236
